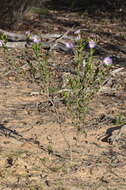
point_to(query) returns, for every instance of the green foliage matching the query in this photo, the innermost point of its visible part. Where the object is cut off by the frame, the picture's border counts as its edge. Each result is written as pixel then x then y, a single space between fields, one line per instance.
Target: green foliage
pixel 41 67
pixel 3 40
pixel 80 87
pixel 83 86
pixel 120 119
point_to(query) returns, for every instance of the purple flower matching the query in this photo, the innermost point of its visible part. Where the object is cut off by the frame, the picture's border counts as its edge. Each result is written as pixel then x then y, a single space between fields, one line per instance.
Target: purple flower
pixel 77 31
pixel 70 45
pixel 107 61
pixel 36 39
pixel 91 44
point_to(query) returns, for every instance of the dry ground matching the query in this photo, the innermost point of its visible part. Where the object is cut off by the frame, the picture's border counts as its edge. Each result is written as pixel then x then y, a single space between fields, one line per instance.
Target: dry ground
pixel 38 153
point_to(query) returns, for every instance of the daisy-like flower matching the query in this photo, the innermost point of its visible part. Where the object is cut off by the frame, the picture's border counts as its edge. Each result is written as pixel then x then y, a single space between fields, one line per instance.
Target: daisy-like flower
pixel 36 39
pixel 70 45
pixel 107 61
pixel 91 44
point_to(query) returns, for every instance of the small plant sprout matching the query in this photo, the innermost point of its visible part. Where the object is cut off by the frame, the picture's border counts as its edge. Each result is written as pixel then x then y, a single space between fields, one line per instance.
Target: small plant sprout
pixel 37 45
pixel 107 61
pixel 42 64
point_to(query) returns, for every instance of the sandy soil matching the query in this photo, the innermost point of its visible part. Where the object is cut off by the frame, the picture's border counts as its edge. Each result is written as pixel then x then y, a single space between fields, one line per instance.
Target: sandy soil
pixel 39 153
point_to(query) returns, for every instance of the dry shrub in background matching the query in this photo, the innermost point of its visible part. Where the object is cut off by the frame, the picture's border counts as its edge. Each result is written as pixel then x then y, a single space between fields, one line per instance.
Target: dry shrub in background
pixel 12 10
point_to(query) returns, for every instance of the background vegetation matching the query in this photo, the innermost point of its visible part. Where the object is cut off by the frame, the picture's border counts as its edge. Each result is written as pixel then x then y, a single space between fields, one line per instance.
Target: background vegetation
pixel 11 10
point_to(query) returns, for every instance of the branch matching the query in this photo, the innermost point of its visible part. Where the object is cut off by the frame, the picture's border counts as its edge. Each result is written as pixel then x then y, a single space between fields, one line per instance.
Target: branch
pixel 12 36
pixel 22 40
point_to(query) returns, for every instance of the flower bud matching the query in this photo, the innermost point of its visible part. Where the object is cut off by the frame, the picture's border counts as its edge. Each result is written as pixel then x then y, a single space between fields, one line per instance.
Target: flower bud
pixel 91 44
pixel 70 45
pixel 107 61
pixel 36 39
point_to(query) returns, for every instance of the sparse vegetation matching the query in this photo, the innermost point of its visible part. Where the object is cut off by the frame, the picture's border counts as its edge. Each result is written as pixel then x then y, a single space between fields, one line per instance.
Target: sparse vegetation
pixel 62 112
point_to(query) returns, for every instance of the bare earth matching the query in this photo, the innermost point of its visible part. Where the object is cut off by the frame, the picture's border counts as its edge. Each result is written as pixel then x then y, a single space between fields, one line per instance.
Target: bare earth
pixel 37 152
